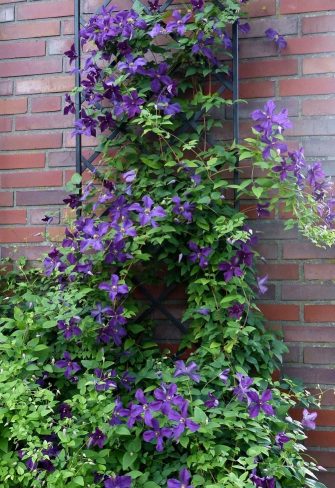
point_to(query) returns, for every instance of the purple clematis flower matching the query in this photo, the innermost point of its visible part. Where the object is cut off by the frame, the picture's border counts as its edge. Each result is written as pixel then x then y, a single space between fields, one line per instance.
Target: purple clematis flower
pixel 273 144
pixel 153 5
pixel 164 103
pixel 112 331
pixel 113 287
pixel 178 24
pixel 283 169
pixel 241 391
pixel 115 254
pixel 315 174
pixel 189 370
pixel 184 209
pixel 71 329
pixel 199 254
pixel 100 312
pixel 118 482
pixel 198 4
pixel 136 411
pixel 157 433
pixel 182 482
pixel 231 269
pixel 73 201
pixel 261 283
pixel 279 40
pixel 147 214
pixel 65 411
pixel 71 54
pixel 129 176
pixel 281 439
pixel 70 107
pixel 159 77
pixel 245 255
pixel 224 375
pixel 262 209
pixel 236 311
pixel 70 366
pixel 132 66
pixel 244 28
pixel 124 228
pixel 266 482
pixel 86 125
pixel 267 118
pixel 308 419
pixel 97 438
pixel 211 401
pixel 256 403
pixel 166 396
pixel 127 380
pixel 119 413
pixel 183 421
pixel 202 47
pixel 203 311
pixel 104 381
pixel 131 105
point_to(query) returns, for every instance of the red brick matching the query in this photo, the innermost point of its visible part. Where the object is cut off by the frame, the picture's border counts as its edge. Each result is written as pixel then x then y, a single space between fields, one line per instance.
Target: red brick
pixel 6 124
pixel 37 67
pixel 50 121
pixel 21 234
pixel 6 87
pixel 261 8
pixel 319 355
pixel 279 271
pixel 30 141
pixel 30 252
pixel 87 141
pixel 327 478
pixel 310 375
pixel 37 214
pixel 56 233
pixel 68 26
pixel 321 438
pixel 51 84
pixel 302 292
pixel 31 179
pixel 59 46
pixel 309 333
pixel 13 106
pixel 319 313
pixel 323 458
pixel 306 250
pixel 319 65
pixel 293 355
pixel 61 158
pixel 7 14
pixel 314 126
pixel 257 89
pixel 52 103
pixel 319 271
pixel 42 197
pixel 13 216
pixel 7 1
pixel 299 6
pixel 268 250
pixel 277 67
pixel 29 29
pixel 22 160
pixel 318 107
pixel 319 24
pixel 25 49
pixel 258 48
pixel 6 199
pixel 310 45
pixel 319 146
pixel 307 86
pixel 280 311
pixel 44 10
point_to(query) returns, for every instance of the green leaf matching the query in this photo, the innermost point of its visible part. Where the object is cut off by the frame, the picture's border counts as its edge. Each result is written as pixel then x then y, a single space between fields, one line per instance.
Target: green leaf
pixel 128 459
pixel 79 480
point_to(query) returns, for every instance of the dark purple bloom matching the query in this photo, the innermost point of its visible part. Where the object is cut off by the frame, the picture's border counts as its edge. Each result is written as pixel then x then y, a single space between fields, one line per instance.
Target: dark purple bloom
pixel 143 408
pixel 272 144
pixel 97 438
pixel 118 482
pixel 224 375
pixel 315 174
pixel 266 482
pixel 281 439
pixel 70 366
pixel 231 269
pixel 71 54
pixel 261 283
pixel 52 262
pixel 245 255
pixel 182 482
pixel 157 433
pixel 178 24
pixel 127 380
pixel 71 329
pixel 100 312
pixel 198 4
pixel 156 30
pixel 65 411
pixel 164 103
pixel 115 254
pixel 129 176
pixel 131 105
pixel 119 413
pixel 236 311
pixel 159 77
pixel 70 107
pixel 184 209
pixel 123 229
pixel 166 396
pixel 283 169
pixel 256 403
pixel 228 44
pixel 266 119
pixel 46 465
pixel 113 288
pixel 279 40
pixel 262 209
pixel 212 401
pixel 183 421
pixel 244 28
pixel 153 5
pixel 86 125
pixel 73 201
pixel 132 65
pixel 42 380
pixel 47 219
pixel 199 254
pixel 190 370
pixel 203 311
pixel 202 47
pixel 104 381
pixel 147 214
pixel 241 391
pixel 308 419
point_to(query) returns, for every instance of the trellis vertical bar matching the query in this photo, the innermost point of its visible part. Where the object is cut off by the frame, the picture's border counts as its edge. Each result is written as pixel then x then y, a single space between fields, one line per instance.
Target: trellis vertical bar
pixel 236 107
pixel 77 83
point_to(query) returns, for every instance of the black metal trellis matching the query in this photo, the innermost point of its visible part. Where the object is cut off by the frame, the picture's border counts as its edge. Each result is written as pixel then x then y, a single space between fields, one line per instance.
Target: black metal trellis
pixel 83 163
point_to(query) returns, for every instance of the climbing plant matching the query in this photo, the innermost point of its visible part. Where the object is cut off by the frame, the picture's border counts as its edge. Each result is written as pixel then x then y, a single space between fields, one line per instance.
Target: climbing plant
pixel 87 397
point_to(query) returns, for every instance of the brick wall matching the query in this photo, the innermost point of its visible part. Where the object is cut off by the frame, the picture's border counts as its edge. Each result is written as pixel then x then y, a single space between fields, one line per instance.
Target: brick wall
pixel 37 158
